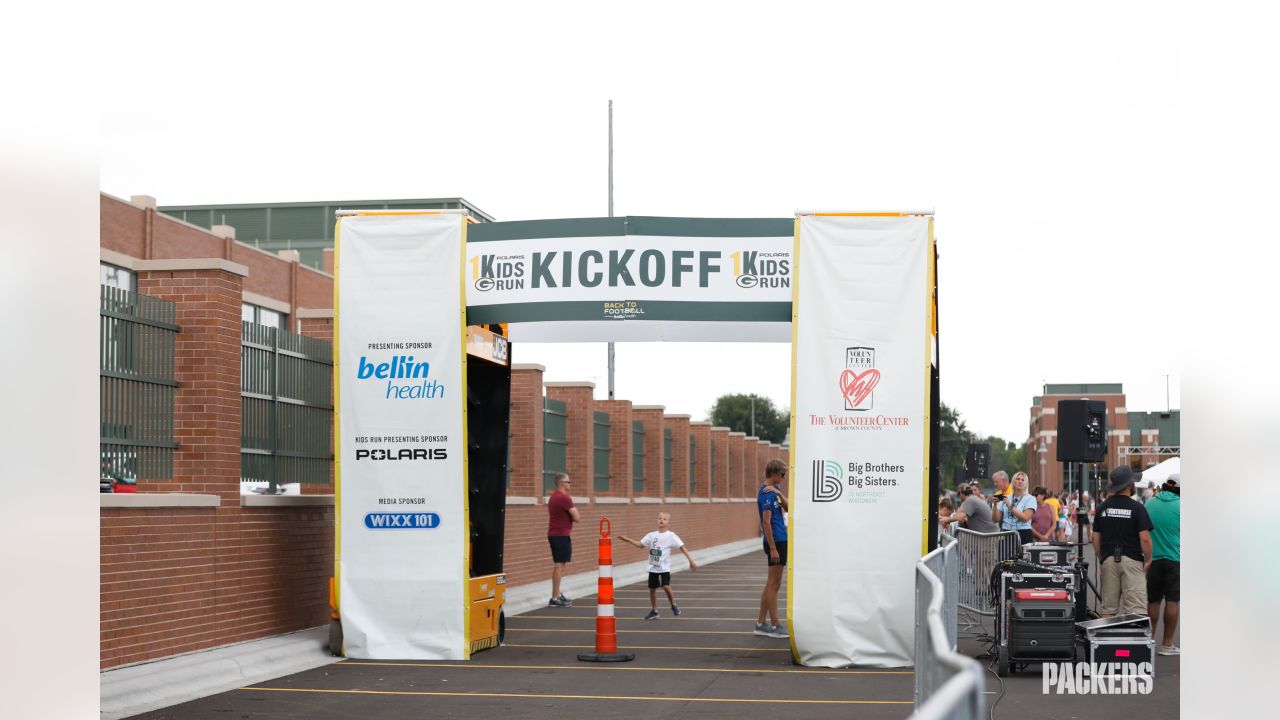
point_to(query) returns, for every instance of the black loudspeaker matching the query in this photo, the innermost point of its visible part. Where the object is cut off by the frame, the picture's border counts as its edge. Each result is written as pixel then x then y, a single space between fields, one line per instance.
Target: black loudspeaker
pixel 1082 431
pixel 488 417
pixel 977 462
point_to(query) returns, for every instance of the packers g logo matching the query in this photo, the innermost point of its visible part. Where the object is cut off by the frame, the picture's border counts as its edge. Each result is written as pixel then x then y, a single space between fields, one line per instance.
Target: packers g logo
pixel 827 484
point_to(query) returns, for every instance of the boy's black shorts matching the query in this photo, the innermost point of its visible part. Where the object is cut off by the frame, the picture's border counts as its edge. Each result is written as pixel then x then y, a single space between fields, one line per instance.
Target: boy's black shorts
pixel 561 548
pixel 657 580
pixel 1163 581
pixel 782 552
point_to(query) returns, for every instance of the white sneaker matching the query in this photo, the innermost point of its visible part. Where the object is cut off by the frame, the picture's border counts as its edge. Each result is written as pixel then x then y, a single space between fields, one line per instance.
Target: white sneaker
pixel 1169 650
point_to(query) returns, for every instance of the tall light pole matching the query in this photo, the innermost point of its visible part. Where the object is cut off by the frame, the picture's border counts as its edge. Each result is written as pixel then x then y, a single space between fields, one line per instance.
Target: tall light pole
pixel 610 215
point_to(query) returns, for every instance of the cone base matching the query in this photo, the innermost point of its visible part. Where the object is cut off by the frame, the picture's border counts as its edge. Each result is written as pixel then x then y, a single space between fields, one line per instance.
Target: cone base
pixel 607 657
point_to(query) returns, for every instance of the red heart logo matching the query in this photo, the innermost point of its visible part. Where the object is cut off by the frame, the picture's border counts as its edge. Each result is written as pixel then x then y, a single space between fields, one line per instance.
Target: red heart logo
pixel 857 386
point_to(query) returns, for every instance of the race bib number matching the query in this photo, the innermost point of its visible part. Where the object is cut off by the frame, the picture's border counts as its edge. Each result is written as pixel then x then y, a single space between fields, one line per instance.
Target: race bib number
pixel 655 556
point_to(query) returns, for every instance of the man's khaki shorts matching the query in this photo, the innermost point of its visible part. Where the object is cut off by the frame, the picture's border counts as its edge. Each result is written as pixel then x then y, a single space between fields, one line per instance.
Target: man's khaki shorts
pixel 1124 587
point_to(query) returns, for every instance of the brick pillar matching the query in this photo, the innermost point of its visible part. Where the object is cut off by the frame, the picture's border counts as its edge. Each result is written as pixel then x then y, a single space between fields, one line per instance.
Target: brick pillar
pixel 679 427
pixel 651 416
pixel 619 445
pixel 701 480
pixel 737 465
pixel 206 407
pixel 720 444
pixel 762 457
pixel 317 323
pixel 579 401
pixel 751 475
pixel 526 430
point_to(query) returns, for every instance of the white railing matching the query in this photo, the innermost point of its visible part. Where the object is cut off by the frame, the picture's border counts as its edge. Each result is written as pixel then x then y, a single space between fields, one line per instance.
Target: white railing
pixel 977 555
pixel 948 685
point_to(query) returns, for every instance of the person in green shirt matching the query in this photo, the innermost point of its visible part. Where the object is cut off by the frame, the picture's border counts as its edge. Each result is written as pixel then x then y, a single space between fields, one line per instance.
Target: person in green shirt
pixel 1163 576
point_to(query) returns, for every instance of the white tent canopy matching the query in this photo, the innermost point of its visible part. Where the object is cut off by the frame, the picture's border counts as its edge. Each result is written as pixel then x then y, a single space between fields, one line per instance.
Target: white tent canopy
pixel 1155 475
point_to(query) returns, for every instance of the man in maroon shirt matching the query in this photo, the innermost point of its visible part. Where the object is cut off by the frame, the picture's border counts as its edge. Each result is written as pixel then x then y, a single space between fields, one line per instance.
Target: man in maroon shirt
pixel 561 516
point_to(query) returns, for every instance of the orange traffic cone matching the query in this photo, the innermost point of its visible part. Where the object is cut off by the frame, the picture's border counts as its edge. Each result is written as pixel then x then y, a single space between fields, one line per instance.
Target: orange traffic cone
pixel 606 626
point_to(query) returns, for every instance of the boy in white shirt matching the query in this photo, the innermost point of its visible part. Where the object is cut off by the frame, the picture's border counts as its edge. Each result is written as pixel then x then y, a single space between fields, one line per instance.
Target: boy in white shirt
pixel 660 543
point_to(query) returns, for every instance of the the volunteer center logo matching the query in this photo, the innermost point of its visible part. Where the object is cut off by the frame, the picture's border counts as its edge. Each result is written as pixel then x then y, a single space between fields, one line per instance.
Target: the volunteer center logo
pixel 859 378
pixel 828 480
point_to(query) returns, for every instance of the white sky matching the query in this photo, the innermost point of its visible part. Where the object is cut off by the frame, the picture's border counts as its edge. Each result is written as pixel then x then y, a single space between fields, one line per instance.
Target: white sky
pixel 1039 133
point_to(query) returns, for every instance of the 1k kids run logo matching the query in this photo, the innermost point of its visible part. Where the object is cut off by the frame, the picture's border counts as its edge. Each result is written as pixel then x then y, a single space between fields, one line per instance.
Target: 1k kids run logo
pixel 859 378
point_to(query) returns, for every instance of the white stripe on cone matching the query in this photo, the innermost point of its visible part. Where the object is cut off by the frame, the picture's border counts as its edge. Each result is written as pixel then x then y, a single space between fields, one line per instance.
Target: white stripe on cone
pixel 606 571
pixel 604 610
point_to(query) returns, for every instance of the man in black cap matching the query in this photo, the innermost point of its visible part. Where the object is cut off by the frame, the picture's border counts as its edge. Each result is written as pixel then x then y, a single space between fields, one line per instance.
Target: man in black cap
pixel 1122 543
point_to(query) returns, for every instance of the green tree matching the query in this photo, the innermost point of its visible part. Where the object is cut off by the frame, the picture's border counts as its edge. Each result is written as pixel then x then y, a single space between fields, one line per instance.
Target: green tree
pixel 735 412
pixel 954 438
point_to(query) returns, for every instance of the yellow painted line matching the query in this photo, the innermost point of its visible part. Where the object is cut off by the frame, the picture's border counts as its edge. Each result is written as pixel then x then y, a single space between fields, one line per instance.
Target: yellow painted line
pixel 472 666
pixel 581 618
pixel 682 606
pixel 632 632
pixel 656 647
pixel 550 696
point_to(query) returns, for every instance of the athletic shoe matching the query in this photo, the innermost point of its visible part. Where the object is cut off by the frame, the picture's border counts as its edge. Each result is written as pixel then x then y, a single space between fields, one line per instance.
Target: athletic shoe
pixel 675 609
pixel 762 629
pixel 557 602
pixel 1169 650
pixel 653 615
pixel 777 631
pixel 567 602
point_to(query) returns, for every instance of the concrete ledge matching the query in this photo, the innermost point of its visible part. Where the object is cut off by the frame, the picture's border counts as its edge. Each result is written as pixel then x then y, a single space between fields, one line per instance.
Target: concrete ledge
pixel 677 500
pixel 315 313
pixel 191 264
pixel 525 598
pixel 647 501
pixel 529 366
pixel 519 500
pixel 138 688
pixel 732 500
pixel 285 500
pixel 569 384
pixel 269 303
pixel 699 500
pixel 612 501
pixel 156 500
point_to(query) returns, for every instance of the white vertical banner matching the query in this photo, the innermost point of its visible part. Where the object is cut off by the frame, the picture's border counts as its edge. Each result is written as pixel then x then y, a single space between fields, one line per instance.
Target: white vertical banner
pixel 401 395
pixel 859 437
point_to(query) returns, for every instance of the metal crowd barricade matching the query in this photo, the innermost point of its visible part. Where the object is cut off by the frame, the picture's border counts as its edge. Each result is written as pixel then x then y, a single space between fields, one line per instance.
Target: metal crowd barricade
pixel 948 685
pixel 978 554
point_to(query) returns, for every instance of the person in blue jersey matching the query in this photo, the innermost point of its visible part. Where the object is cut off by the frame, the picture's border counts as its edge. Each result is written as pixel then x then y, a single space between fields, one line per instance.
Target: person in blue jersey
pixel 771 504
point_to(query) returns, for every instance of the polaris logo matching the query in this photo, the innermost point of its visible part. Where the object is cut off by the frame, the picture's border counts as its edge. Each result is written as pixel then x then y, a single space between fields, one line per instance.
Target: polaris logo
pixel 401 521
pixel 403 454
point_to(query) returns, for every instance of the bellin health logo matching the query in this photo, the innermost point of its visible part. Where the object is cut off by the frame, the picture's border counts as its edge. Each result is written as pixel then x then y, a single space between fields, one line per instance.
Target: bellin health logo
pixel 402 367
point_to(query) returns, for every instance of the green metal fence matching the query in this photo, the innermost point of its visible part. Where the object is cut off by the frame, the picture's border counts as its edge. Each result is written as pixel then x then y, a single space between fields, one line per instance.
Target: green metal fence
pixel 666 461
pixel 693 466
pixel 137 384
pixel 637 457
pixel 714 483
pixel 555 445
pixel 286 395
pixel 601 451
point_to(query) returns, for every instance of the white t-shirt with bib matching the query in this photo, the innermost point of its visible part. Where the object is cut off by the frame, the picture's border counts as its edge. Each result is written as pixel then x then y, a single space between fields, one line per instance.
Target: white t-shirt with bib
pixel 660 545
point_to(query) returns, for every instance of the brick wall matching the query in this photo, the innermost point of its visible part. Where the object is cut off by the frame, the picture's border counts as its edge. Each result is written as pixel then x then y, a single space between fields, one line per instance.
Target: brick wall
pixel 620 445
pixel 526 431
pixel 175 580
pixel 652 417
pixel 580 406
pixel 679 427
pixel 720 444
pixel 701 432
